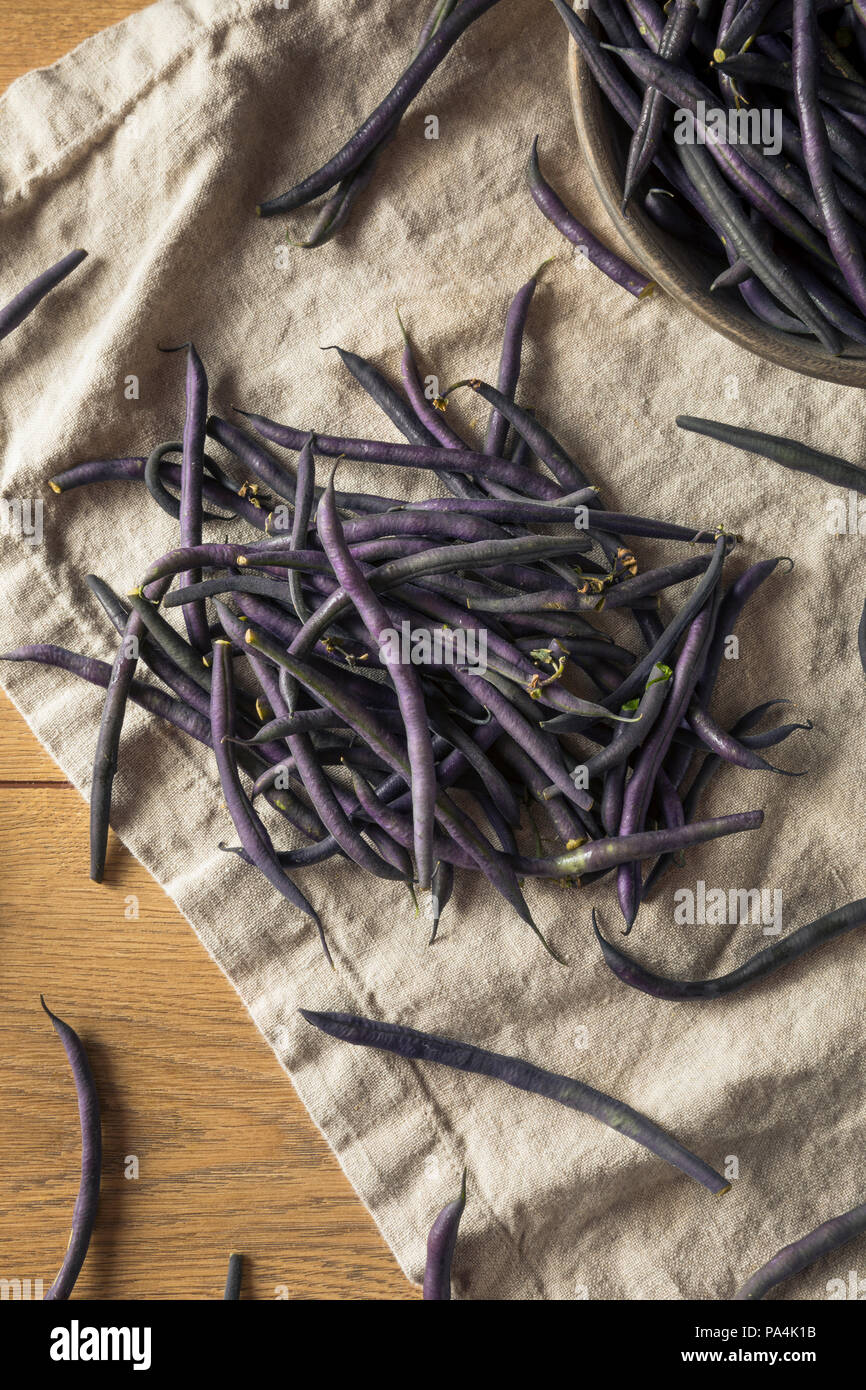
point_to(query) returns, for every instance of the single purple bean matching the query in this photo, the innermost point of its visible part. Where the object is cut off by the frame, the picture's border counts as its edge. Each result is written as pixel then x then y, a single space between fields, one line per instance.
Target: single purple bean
pixel 757 967
pixel 426 1047
pixel 84 1213
pixel 440 1247
pixel 26 300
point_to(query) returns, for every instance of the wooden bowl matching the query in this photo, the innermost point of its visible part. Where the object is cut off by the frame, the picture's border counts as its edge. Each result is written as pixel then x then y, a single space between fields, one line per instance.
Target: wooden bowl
pixel 680 269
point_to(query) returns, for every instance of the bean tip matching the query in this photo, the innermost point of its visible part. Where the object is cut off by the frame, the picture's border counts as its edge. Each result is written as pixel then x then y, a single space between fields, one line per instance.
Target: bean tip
pixel 55 487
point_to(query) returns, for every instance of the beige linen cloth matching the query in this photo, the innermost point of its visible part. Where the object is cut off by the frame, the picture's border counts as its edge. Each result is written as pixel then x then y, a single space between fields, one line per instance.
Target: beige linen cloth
pixel 150 146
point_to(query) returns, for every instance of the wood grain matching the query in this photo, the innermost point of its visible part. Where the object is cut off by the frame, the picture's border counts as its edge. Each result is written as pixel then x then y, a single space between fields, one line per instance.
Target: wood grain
pixel 227 1156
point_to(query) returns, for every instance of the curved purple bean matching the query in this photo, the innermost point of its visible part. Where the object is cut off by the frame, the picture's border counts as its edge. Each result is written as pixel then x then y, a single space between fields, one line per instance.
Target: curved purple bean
pixel 509 362
pixel 525 1076
pixel 26 300
pixel 192 469
pixel 408 456
pixel 674 42
pixel 726 745
pixel 370 133
pixel 97 672
pixel 431 418
pixel 639 789
pixel 251 832
pixel 793 1258
pixel 554 209
pixel 757 967
pixel 441 888
pixel 540 440
pixel 620 849
pixel 84 1213
pixel 406 682
pixel 132 469
pixel 440 1247
pixel 843 242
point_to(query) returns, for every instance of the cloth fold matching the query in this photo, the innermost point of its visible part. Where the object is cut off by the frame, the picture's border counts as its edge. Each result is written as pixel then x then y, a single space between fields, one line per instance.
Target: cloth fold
pixel 150 145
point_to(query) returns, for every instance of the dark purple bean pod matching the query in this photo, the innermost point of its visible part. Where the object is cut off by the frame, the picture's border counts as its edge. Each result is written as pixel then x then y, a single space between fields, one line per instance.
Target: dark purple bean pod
pixel 379 123
pixel 674 43
pixel 743 27
pixel 97 471
pixel 251 832
pixel 509 362
pixel 620 849
pixel 612 793
pixel 432 419
pixel 97 672
pixel 432 525
pixel 441 1243
pixel 108 740
pixel 234 1275
pixel 788 452
pixel 652 753
pixel 540 440
pixel 84 1213
pixel 382 392
pixel 408 456
pixel 405 679
pixel 628 738
pixel 403 416
pixel 730 608
pixel 757 967
pixel 132 470
pixel 551 205
pixel 711 765
pixel 426 1047
pixel 26 300
pixel 192 471
pixel 301 858
pixel 441 889
pixel 791 1259
pixel 843 242
pixel 726 745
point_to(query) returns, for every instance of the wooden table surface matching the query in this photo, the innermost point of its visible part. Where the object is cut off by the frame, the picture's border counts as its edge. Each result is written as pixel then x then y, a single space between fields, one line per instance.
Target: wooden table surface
pixel 227 1157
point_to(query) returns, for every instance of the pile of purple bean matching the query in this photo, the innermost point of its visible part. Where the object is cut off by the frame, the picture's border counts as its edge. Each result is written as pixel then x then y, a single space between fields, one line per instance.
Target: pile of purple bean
pixel 289 670
pixel 785 221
